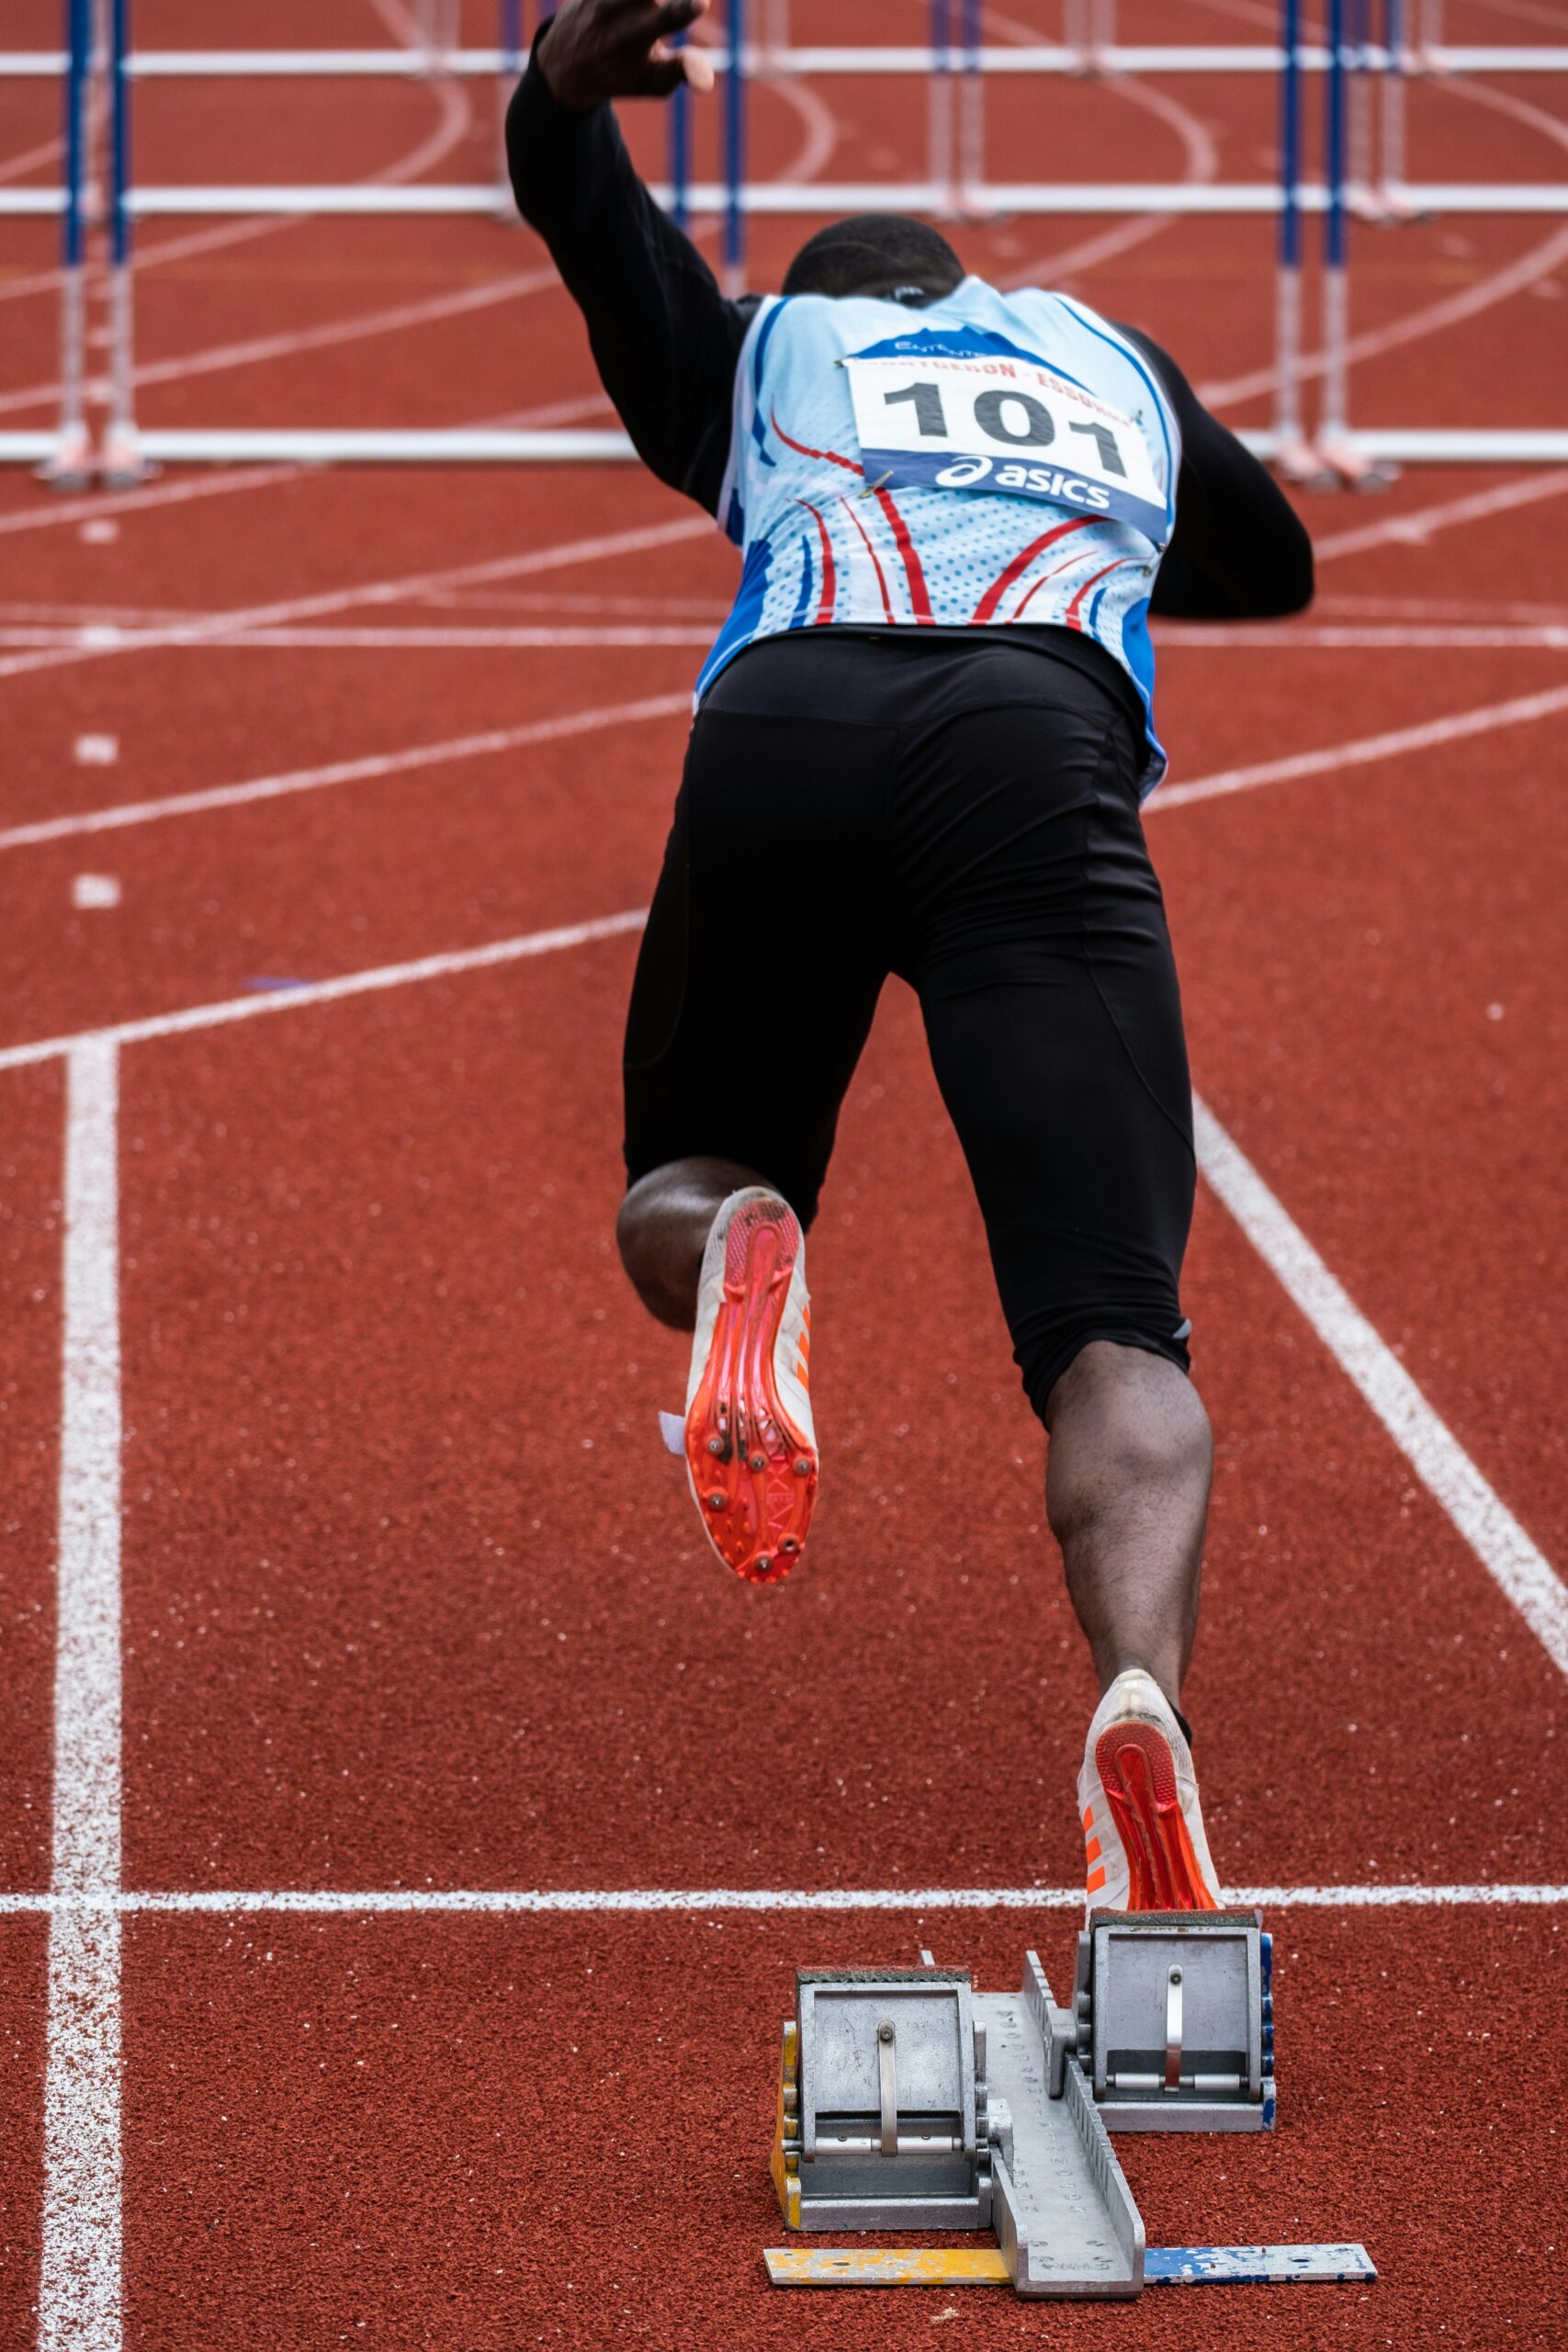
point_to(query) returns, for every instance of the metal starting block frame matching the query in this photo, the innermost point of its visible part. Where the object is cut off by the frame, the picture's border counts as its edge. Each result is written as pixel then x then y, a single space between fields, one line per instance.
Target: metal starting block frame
pixel 909 2100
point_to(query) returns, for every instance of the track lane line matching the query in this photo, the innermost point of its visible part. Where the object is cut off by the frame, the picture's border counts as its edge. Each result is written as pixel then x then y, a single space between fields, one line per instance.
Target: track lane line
pixel 1425 737
pixel 366 983
pixel 79 2280
pixel 1521 1572
pixel 199 1901
pixel 374 766
pixel 402 590
pixel 1338 636
pixel 1362 751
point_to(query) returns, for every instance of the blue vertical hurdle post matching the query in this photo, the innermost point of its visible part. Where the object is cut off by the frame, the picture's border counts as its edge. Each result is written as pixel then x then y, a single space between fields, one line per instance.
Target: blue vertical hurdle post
pixel 70 463
pixel 679 138
pixel 509 48
pixel 1294 458
pixel 735 154
pixel 941 129
pixel 1396 65
pixel 968 201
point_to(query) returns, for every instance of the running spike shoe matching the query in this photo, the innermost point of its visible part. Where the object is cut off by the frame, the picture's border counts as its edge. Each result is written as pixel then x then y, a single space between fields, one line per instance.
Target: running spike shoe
pixel 751 1444
pixel 1143 1826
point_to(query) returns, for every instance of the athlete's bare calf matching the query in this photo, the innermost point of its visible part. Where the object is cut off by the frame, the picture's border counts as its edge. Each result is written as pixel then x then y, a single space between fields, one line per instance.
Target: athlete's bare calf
pixel 1131 1457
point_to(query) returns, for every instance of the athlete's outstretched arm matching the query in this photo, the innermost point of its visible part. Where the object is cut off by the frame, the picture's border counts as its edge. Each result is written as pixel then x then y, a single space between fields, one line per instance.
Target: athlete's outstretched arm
pixel 664 338
pixel 1239 551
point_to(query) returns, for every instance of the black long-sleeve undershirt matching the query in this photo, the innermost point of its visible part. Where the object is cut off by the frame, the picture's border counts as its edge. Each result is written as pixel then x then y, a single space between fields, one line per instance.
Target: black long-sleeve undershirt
pixel 666 341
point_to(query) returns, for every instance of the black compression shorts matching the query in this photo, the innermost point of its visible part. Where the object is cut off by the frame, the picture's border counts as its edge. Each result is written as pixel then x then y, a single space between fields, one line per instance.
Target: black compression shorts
pixel 964 813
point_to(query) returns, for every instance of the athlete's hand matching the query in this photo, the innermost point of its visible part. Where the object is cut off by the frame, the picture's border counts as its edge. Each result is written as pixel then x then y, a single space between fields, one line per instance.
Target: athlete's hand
pixel 620 49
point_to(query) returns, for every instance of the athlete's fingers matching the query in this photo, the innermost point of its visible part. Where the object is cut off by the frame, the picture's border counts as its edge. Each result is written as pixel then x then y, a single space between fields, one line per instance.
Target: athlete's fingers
pixel 668 68
pixel 674 16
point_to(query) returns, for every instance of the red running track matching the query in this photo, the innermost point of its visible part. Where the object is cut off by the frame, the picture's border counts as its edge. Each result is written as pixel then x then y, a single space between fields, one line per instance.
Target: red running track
pixel 412 1603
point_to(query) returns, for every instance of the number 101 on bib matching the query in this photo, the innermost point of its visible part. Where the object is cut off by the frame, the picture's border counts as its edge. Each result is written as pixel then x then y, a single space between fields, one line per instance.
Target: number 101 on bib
pixel 989 424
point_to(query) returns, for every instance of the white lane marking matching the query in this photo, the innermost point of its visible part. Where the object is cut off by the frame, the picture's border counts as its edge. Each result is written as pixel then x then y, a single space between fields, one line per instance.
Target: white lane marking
pixel 634 1899
pixel 1270 637
pixel 1520 1570
pixel 520 638
pixel 1414 529
pixel 595 548
pixel 96 891
pixel 376 765
pixel 1425 737
pixel 95 750
pixel 293 999
pixel 79 2285
pixel 110 503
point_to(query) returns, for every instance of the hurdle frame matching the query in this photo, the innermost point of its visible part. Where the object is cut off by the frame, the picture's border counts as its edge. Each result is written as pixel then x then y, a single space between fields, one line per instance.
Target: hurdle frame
pixel 956 187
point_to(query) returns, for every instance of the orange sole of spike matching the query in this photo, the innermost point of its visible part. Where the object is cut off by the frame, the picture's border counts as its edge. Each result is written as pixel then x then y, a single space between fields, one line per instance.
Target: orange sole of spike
pixel 1138 1774
pixel 744 1452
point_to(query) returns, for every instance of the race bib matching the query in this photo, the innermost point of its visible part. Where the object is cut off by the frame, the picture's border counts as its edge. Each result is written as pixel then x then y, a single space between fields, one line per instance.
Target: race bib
pixel 928 421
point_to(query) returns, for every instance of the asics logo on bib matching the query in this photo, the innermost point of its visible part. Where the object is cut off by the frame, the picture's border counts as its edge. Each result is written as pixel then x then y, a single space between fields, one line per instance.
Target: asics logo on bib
pixel 882 472
pixel 1038 481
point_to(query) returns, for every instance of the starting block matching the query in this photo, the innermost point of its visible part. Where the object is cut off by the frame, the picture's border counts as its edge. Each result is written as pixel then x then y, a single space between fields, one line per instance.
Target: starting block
pixel 907 2100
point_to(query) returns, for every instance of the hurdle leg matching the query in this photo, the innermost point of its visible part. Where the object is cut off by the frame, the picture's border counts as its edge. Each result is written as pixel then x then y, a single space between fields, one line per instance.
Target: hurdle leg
pixel 1294 460
pixel 70 463
pixel 941 167
pixel 123 463
pixel 1340 458
pixel 970 197
pixel 510 48
pixel 735 154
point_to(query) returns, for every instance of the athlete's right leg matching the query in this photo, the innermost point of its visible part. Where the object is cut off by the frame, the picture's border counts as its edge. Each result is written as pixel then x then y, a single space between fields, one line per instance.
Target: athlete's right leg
pixel 663 1228
pixel 756 984
pixel 1035 934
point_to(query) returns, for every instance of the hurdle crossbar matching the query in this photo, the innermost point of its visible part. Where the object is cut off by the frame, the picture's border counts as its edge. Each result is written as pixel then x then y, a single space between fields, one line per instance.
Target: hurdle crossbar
pixel 1050 57
pixel 810 196
pixel 502 446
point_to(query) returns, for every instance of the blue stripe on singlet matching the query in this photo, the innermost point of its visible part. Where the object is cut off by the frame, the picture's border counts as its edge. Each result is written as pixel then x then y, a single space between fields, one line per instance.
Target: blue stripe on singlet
pixel 802 612
pixel 759 430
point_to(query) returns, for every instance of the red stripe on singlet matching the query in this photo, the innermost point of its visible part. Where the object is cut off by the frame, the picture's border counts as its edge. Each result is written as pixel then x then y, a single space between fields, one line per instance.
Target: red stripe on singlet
pixel 830 456
pixel 881 580
pixel 992 596
pixel 1072 614
pixel 829 598
pixel 914 572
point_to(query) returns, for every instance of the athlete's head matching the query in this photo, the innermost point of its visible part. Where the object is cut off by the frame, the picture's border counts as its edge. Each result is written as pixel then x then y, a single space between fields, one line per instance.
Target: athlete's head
pixel 885 254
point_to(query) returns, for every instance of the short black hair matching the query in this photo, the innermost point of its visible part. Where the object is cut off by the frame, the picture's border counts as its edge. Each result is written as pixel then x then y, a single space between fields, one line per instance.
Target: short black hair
pixel 885 254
